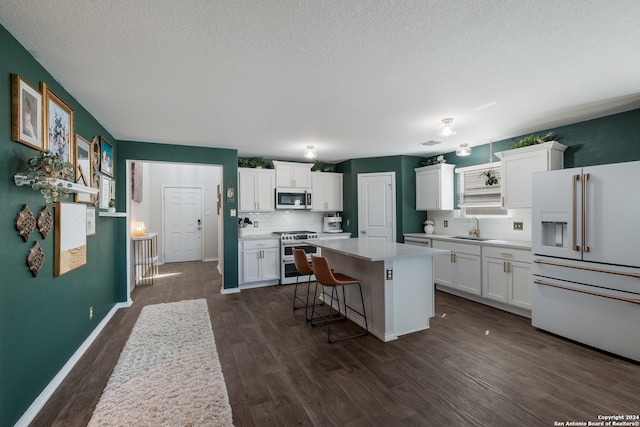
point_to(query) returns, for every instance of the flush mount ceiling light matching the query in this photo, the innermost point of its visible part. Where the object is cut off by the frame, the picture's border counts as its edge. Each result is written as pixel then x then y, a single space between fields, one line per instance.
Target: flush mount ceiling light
pixel 310 152
pixel 446 128
pixel 463 150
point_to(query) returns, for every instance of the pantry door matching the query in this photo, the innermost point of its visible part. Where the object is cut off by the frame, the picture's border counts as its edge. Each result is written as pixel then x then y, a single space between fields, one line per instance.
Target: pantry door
pixel 376 206
pixel 182 224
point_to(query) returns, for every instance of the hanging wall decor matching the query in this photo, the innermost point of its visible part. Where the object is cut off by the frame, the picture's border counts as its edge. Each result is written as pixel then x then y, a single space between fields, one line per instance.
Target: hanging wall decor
pixel 106 157
pixel 25 222
pixel 70 238
pixel 58 123
pixel 35 259
pixel 84 171
pixel 45 221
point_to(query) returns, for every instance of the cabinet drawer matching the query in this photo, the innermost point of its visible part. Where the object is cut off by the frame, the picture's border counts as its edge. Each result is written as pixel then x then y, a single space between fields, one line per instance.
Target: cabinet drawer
pixel 260 244
pixel 461 248
pixel 507 254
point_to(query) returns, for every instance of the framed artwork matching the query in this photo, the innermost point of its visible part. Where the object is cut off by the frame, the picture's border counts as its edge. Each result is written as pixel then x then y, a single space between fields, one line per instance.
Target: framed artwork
pixel 59 126
pixel 91 221
pixel 136 181
pixel 95 154
pixel 84 170
pixel 105 192
pixel 70 237
pixel 106 157
pixel 26 113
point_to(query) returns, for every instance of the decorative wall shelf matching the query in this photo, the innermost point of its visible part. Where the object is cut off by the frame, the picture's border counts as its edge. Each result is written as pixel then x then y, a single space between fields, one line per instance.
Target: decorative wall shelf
pixel 20 179
pixel 113 214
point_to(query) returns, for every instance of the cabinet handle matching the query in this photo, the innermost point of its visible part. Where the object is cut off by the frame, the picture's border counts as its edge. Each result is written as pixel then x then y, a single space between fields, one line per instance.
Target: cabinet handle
pixel 506 254
pixel 504 266
pixel 503 201
pixel 508 267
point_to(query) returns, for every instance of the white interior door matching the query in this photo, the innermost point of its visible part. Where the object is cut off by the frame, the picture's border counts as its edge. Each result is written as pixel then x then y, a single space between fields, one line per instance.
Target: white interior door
pixel 376 206
pixel 182 224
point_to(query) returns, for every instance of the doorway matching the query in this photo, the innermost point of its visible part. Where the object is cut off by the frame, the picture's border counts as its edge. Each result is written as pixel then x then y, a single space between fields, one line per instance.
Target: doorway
pixel 149 208
pixel 376 206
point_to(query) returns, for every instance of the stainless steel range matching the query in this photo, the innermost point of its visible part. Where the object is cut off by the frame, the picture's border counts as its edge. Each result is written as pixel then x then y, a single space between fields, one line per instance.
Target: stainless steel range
pixel 288 241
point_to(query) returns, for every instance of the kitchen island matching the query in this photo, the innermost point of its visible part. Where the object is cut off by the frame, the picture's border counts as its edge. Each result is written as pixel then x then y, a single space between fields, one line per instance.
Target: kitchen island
pixel 397 282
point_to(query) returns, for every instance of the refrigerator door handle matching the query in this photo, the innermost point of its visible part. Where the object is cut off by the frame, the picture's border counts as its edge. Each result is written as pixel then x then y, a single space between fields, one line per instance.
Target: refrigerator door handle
pixel 574 199
pixel 585 178
pixel 581 267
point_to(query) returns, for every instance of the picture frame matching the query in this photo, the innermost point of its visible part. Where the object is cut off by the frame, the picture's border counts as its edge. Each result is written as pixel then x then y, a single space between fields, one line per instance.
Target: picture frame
pixel 84 168
pixel 106 157
pixel 136 181
pixel 95 154
pixel 58 122
pixel 91 221
pixel 105 192
pixel 26 113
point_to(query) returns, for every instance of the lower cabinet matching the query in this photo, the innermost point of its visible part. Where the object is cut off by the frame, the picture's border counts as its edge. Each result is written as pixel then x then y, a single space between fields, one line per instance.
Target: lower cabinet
pixel 507 276
pixel 259 260
pixel 460 269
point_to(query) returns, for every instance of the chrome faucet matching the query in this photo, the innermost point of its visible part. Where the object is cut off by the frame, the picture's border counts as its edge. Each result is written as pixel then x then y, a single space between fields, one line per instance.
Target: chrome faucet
pixel 475 231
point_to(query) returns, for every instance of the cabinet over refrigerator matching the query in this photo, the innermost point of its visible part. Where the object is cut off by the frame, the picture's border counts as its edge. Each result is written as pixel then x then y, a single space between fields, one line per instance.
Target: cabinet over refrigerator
pixel 586 267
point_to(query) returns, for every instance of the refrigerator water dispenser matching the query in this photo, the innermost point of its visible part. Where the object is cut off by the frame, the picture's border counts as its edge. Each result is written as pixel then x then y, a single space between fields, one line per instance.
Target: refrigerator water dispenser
pixel 554 229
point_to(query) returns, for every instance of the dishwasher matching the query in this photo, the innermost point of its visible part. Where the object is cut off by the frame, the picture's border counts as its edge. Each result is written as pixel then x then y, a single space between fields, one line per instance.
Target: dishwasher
pixel 418 241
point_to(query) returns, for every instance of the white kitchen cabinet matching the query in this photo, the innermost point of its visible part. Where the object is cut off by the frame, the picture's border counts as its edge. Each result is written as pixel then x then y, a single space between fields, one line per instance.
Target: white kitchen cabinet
pixel 434 187
pixel 460 269
pixel 326 191
pixel 293 175
pixel 518 166
pixel 506 276
pixel 259 261
pixel 256 190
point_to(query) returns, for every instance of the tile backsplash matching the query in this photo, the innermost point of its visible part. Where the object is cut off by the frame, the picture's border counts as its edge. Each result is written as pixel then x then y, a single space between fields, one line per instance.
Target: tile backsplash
pixel 491 227
pixel 285 220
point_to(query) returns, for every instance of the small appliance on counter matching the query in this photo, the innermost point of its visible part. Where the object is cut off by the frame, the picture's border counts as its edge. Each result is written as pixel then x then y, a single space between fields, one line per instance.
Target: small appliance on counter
pixel 332 223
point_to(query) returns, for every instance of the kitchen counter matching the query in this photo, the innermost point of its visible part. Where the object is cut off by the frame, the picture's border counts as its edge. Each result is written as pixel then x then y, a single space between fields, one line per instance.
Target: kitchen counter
pixel 514 244
pixel 375 250
pixel 397 283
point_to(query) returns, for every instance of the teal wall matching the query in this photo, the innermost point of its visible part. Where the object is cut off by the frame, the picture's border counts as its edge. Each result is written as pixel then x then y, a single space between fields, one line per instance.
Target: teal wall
pixel 407 219
pixel 43 320
pixel 228 159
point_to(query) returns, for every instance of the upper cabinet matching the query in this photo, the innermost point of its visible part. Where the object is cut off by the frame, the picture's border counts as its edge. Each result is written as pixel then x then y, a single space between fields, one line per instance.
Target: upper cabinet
pixel 293 175
pixel 434 187
pixel 256 190
pixel 518 166
pixel 326 191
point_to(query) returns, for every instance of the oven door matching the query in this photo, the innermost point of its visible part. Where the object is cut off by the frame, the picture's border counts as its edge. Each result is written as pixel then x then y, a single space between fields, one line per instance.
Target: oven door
pixel 287 250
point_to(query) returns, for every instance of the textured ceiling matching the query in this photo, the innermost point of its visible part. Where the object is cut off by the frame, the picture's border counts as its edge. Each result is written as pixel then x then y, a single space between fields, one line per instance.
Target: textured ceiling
pixel 354 78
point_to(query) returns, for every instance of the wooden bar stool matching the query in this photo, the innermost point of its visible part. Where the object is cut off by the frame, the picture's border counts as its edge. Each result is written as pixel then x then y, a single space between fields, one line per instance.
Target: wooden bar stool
pixel 304 268
pixel 328 278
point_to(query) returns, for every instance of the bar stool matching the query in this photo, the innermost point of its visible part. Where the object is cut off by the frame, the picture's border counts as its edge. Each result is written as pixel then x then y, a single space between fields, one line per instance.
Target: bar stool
pixel 328 278
pixel 304 269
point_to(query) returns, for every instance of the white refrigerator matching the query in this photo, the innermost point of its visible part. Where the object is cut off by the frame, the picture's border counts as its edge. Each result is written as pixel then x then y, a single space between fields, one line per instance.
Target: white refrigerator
pixel 586 247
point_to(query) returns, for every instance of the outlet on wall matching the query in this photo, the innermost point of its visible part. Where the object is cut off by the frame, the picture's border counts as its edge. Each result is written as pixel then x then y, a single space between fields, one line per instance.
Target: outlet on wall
pixel 255 224
pixel 446 223
pixel 517 225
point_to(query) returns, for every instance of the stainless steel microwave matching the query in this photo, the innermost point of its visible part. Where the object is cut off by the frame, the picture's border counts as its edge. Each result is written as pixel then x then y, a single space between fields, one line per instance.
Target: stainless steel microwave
pixel 293 198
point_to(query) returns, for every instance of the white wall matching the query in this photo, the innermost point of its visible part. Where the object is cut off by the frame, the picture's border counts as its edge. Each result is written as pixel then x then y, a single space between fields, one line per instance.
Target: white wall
pixel 159 175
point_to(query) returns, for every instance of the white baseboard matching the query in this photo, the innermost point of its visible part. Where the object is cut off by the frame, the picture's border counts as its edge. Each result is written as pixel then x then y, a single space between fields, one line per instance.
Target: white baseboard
pixel 209 259
pixel 48 391
pixel 230 291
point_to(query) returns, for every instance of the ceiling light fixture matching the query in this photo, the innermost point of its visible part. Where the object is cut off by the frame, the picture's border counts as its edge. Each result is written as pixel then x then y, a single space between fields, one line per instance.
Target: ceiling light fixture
pixel 446 128
pixel 310 152
pixel 463 151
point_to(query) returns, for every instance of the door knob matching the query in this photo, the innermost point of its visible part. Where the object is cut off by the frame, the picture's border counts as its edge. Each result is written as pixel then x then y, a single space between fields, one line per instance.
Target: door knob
pixel 364 231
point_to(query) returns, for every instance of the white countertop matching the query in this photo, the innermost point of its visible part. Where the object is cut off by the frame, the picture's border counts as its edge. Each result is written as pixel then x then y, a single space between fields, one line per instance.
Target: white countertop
pixel 515 244
pixel 375 250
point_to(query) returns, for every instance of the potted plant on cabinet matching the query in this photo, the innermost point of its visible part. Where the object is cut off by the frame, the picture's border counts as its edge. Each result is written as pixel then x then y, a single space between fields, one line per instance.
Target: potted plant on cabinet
pixel 112 206
pixel 48 173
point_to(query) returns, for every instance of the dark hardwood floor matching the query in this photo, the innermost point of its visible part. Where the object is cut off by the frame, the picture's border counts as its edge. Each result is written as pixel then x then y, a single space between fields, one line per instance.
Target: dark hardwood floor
pixel 281 372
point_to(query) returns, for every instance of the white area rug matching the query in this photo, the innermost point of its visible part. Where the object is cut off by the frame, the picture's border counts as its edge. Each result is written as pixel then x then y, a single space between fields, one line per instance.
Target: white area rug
pixel 168 373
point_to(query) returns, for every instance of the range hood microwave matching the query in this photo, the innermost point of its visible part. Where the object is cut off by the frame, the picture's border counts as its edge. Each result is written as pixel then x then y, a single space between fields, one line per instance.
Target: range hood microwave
pixel 293 198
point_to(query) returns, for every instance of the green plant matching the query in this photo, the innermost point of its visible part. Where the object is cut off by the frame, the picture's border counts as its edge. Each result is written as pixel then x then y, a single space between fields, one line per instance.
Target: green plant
pixel 490 177
pixel 433 161
pixel 534 139
pixel 323 167
pixel 112 203
pixel 48 173
pixel 253 162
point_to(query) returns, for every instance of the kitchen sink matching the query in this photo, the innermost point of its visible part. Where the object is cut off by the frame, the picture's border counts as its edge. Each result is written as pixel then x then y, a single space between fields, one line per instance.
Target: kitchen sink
pixel 479 239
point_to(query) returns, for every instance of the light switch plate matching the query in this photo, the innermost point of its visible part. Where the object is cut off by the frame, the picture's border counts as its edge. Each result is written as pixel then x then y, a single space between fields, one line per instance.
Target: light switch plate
pixel 446 223
pixel 518 225
pixel 233 212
